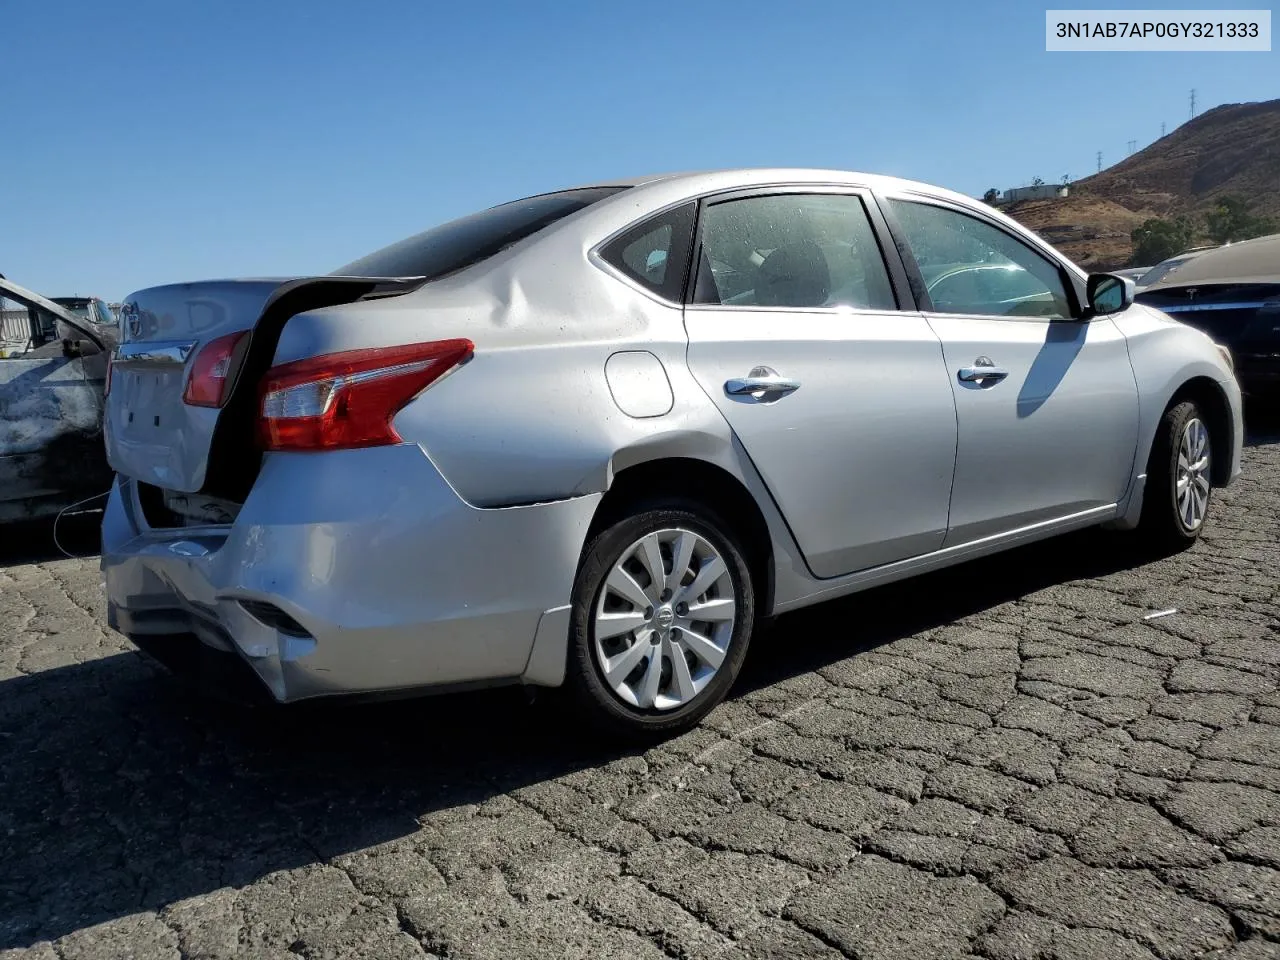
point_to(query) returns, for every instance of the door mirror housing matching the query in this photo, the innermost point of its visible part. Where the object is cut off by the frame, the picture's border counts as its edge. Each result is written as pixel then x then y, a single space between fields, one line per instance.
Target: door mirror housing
pixel 1107 294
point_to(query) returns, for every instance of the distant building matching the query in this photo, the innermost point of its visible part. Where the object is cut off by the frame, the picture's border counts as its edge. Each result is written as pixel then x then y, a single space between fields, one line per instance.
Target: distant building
pixel 1040 191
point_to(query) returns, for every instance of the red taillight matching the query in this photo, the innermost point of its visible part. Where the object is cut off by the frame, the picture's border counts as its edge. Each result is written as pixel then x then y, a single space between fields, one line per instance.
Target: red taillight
pixel 208 382
pixel 344 400
pixel 106 387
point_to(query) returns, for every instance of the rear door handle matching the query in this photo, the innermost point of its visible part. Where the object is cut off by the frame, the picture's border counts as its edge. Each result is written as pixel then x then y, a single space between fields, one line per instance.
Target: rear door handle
pixel 983 372
pixel 761 383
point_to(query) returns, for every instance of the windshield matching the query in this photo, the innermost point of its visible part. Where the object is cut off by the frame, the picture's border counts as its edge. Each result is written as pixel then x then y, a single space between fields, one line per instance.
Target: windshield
pixel 79 306
pixel 461 243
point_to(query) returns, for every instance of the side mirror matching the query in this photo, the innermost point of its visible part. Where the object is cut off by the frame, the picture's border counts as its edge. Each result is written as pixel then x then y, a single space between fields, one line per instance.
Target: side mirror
pixel 1107 294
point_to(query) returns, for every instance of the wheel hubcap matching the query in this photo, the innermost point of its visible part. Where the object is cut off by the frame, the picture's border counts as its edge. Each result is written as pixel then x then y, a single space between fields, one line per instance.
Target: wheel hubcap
pixel 1191 487
pixel 664 619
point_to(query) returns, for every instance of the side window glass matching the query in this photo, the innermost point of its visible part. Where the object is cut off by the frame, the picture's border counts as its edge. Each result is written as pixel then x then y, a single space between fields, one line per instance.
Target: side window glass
pixel 970 266
pixel 792 250
pixel 655 252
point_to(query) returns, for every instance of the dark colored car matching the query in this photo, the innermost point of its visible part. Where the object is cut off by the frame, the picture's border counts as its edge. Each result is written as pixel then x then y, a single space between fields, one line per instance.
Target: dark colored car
pixel 1231 293
pixel 53 366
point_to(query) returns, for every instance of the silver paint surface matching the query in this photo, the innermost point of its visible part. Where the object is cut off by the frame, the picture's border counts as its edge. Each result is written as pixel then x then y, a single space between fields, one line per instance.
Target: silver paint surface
pixel 451 557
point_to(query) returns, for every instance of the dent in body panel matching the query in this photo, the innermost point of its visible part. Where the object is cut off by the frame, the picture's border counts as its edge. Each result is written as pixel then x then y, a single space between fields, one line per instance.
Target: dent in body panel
pixel 534 416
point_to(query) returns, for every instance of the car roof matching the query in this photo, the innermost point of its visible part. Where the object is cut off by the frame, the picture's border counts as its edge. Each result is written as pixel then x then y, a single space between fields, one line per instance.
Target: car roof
pixel 701 181
pixel 1247 261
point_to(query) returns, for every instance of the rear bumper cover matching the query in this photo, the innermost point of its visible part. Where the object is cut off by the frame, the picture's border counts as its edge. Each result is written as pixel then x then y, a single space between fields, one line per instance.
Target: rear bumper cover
pixel 386 580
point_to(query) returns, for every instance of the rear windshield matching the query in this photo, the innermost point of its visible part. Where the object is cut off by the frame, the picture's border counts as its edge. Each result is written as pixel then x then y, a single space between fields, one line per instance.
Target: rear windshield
pixel 461 243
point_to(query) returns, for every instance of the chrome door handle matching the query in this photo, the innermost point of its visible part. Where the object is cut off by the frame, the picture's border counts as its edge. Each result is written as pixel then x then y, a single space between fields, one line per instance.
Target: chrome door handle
pixel 761 383
pixel 983 372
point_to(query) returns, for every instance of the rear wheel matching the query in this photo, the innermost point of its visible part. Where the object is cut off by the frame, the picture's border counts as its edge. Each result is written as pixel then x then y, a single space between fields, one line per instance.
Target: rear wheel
pixel 1179 479
pixel 663 610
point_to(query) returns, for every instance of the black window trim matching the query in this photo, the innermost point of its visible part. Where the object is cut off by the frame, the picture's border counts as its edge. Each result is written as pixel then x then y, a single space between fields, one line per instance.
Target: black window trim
pixel 1073 284
pixel 596 254
pixel 893 265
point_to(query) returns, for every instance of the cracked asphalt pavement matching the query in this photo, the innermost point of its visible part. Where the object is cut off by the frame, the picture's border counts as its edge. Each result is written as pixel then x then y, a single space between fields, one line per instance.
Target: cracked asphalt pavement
pixel 1003 760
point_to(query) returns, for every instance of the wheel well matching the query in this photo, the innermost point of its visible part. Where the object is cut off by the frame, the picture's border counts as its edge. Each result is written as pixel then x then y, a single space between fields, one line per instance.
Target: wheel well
pixel 707 484
pixel 1208 396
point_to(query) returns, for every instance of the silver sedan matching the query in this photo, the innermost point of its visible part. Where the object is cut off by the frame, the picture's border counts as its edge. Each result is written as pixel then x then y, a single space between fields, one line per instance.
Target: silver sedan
pixel 590 438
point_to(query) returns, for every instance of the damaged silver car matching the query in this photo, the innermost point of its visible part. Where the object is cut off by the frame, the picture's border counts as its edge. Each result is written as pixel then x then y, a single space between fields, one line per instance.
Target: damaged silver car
pixel 588 438
pixel 53 372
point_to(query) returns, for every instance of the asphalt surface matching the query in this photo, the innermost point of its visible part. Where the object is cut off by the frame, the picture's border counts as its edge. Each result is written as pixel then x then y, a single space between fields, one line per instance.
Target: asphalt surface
pixel 1005 760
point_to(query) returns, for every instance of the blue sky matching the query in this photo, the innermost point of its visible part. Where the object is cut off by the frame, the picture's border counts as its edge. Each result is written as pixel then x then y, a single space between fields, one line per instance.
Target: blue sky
pixel 149 142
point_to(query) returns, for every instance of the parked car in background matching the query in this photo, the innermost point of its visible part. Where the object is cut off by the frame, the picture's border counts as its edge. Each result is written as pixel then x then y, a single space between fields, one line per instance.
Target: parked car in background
pixel 96 311
pixel 53 365
pixel 1231 293
pixel 1131 273
pixel 1167 267
pixel 590 437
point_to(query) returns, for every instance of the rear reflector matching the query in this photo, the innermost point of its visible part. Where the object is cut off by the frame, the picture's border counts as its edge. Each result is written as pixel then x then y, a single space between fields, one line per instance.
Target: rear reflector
pixel 208 382
pixel 344 400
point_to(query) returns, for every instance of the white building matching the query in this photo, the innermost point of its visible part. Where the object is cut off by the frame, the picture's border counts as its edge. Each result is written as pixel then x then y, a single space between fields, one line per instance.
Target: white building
pixel 1040 191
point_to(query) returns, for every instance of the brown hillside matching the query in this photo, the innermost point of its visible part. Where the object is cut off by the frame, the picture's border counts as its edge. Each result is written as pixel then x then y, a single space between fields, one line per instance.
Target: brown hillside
pixel 1230 149
pixel 1090 230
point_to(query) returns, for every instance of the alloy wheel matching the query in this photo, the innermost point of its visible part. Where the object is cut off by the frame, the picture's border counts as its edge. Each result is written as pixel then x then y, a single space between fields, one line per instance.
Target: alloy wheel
pixel 664 619
pixel 1192 484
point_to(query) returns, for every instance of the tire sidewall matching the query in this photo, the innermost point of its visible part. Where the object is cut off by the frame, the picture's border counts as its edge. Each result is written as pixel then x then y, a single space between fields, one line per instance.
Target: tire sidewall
pixel 1168 447
pixel 583 670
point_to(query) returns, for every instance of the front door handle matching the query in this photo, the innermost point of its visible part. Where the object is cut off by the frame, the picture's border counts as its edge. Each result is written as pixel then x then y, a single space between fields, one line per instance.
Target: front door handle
pixel 983 372
pixel 761 383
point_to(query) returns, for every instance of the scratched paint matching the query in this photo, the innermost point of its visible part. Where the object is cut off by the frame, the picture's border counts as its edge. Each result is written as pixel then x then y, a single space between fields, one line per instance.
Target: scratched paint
pixel 51 448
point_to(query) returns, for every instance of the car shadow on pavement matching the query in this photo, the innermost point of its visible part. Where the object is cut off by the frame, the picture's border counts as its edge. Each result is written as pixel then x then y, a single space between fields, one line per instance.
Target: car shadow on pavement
pixel 33 541
pixel 126 793
pixel 1262 420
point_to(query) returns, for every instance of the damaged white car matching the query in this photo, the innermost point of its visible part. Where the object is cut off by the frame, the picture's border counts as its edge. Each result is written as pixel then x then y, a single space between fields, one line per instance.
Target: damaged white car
pixel 53 369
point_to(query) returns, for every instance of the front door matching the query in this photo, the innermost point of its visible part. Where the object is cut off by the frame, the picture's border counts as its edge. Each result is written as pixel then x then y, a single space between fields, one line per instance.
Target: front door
pixel 1046 403
pixel 839 397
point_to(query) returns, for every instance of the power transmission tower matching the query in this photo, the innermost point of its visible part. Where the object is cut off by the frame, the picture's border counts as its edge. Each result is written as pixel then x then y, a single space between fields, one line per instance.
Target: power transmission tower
pixel 1162 128
pixel 1099 161
pixel 1193 104
pixel 1133 145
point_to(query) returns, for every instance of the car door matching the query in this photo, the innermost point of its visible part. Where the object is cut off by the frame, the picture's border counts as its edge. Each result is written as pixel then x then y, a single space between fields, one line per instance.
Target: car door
pixel 51 449
pixel 1046 402
pixel 839 397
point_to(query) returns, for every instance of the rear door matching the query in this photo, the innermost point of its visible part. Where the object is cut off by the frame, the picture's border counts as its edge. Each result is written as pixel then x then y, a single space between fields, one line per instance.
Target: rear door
pixel 834 385
pixel 1046 402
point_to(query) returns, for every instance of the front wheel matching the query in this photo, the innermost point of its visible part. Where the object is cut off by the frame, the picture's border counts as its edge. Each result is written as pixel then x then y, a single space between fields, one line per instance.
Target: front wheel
pixel 1179 479
pixel 663 609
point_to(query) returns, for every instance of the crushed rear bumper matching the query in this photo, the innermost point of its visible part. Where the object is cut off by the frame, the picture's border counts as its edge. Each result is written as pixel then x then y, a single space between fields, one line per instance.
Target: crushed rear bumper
pixel 354 572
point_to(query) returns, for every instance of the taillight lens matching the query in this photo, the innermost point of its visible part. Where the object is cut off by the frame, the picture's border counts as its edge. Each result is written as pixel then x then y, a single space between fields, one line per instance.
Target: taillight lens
pixel 106 387
pixel 348 399
pixel 208 383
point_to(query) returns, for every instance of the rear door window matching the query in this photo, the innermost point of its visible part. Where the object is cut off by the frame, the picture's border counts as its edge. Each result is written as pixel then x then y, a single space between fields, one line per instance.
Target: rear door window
pixel 793 250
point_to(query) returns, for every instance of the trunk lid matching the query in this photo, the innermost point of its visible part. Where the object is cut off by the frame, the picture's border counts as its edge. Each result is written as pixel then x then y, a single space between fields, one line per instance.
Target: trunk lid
pixel 155 437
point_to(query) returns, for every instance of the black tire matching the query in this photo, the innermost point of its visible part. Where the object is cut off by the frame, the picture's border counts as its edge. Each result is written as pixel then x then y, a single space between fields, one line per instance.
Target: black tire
pixel 1162 527
pixel 584 677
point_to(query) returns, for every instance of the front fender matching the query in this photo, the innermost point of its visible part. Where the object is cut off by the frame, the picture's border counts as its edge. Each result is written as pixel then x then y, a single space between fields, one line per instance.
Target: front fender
pixel 1167 356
